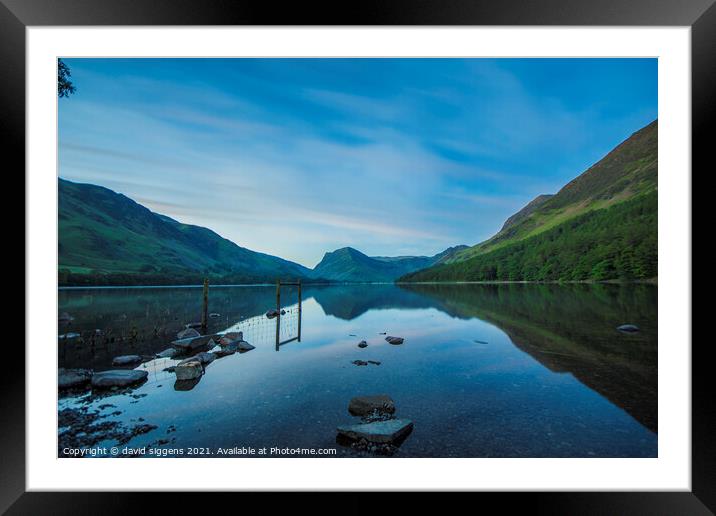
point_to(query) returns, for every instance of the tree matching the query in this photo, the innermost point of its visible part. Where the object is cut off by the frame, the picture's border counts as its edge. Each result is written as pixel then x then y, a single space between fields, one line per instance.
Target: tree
pixel 64 85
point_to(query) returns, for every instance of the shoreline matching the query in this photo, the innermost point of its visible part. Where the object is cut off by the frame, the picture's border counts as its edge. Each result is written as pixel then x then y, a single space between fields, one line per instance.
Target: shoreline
pixel 649 281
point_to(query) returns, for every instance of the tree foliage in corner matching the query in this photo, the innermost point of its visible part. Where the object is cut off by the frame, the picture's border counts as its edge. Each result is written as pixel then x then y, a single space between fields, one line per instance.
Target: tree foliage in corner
pixel 65 88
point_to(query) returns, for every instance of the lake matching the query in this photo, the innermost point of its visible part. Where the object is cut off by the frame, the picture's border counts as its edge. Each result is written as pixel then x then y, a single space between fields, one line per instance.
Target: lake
pixel 511 370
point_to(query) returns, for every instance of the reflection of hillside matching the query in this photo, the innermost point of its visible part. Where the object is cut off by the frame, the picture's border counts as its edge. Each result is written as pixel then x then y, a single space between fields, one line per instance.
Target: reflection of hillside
pixel 350 301
pixel 572 329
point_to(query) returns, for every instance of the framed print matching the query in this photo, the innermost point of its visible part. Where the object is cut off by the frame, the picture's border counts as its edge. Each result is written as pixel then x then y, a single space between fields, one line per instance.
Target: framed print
pixel 298 251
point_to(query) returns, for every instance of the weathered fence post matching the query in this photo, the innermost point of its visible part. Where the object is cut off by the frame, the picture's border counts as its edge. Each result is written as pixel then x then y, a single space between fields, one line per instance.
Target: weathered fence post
pixel 205 306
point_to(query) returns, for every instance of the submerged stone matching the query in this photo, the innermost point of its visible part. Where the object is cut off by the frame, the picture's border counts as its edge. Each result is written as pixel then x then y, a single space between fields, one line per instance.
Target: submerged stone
pixel 384 432
pixel 118 378
pixel 394 340
pixel 126 360
pixel 362 344
pixel 628 328
pixel 363 405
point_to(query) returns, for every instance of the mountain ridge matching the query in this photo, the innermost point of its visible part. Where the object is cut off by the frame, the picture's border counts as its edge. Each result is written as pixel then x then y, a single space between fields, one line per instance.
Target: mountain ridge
pixel 581 232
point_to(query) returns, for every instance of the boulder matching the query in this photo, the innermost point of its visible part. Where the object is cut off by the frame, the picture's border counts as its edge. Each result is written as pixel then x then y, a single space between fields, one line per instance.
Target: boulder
pixel 245 346
pixel 271 314
pixel 126 360
pixel 394 340
pixel 628 328
pixel 168 353
pixel 364 405
pixel 203 358
pixel 362 344
pixel 233 335
pixel 383 432
pixel 188 333
pixel 118 378
pixel 192 343
pixel 224 352
pixel 73 378
pixel 189 370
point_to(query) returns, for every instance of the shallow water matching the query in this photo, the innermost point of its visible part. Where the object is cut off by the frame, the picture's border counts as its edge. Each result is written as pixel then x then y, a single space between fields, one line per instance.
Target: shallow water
pixel 485 370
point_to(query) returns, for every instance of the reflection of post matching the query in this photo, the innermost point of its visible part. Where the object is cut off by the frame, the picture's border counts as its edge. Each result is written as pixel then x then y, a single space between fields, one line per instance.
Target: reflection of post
pixel 278 312
pixel 299 310
pixel 205 306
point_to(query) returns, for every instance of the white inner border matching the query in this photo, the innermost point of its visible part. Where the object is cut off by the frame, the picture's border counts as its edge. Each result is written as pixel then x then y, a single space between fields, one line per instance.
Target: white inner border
pixel 670 471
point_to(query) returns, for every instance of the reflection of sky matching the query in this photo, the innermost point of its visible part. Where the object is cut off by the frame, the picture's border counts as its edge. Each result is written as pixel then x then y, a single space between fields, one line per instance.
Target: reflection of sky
pixel 391 156
pixel 465 398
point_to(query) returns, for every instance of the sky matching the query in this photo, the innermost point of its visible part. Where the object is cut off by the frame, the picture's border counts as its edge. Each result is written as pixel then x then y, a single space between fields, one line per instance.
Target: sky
pixel 298 157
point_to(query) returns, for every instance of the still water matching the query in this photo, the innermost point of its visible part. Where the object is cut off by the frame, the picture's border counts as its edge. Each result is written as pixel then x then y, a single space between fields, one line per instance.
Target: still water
pixel 485 370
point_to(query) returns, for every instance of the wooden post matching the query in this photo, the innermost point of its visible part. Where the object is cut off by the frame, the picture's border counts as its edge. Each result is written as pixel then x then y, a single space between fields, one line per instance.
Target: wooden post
pixel 205 306
pixel 278 314
pixel 299 310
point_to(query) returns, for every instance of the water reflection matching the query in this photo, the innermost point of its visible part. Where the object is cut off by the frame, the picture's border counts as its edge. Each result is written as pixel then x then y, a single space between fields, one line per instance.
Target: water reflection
pixel 486 369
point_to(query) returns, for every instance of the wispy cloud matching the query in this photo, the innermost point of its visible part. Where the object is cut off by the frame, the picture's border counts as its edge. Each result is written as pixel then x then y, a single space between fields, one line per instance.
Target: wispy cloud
pixel 299 157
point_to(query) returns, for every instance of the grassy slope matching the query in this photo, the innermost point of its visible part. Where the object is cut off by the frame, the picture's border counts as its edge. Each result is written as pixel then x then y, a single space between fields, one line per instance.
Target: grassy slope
pixel 589 230
pixel 106 238
pixel 627 171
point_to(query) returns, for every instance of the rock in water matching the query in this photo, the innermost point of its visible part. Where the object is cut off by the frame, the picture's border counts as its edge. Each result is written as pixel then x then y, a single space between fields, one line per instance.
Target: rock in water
pixel 72 378
pixel 224 352
pixel 202 358
pixel 628 328
pixel 118 378
pixel 363 405
pixel 168 353
pixel 189 370
pixel 214 315
pixel 362 344
pixel 384 432
pixel 192 343
pixel 245 346
pixel 188 333
pixel 233 335
pixel 126 360
pixel 359 362
pixel 272 314
pixel 394 340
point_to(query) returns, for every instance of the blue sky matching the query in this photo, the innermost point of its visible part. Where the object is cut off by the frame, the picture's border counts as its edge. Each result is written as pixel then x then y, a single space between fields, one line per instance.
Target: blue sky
pixel 296 157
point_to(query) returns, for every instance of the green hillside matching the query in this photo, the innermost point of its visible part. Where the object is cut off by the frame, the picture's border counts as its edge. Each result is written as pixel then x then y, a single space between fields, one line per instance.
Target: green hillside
pixel 602 225
pixel 105 238
pixel 350 265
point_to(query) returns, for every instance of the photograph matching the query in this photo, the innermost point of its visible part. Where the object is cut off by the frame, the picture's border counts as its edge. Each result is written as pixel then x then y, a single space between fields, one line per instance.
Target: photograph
pixel 357 257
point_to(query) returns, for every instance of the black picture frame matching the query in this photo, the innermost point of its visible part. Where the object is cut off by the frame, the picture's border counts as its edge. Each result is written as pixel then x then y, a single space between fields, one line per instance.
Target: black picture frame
pixel 699 15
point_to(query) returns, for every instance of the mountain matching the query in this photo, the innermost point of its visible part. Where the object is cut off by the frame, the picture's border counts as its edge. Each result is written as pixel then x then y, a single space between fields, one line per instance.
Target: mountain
pixel 107 238
pixel 526 211
pixel 602 225
pixel 350 265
